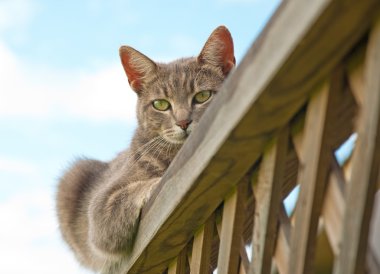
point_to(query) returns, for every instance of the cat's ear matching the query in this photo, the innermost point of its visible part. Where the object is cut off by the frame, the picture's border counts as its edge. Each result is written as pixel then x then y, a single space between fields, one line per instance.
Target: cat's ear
pixel 219 50
pixel 137 66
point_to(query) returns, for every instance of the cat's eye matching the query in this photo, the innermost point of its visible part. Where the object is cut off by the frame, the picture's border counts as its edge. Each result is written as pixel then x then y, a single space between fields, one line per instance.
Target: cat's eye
pixel 202 96
pixel 161 104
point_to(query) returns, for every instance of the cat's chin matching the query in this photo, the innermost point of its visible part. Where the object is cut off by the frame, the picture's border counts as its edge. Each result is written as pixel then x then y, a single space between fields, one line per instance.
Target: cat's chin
pixel 176 137
pixel 176 141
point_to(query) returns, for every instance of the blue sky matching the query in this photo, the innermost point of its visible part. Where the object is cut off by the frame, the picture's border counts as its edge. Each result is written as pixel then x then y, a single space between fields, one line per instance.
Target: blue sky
pixel 63 93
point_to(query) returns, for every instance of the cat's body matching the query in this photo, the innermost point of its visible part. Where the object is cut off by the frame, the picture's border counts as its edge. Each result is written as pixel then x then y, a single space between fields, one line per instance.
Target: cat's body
pixel 99 203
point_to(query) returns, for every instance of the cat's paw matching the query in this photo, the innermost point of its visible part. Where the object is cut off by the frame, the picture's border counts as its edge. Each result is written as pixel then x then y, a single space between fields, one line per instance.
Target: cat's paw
pixel 115 239
pixel 114 233
pixel 151 186
pixel 115 216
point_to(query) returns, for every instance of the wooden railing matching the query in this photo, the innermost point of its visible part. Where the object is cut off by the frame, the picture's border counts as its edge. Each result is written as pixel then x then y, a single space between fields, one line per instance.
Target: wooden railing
pixel 309 82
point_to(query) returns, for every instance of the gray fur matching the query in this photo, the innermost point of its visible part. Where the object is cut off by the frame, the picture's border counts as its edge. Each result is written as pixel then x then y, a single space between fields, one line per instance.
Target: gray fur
pixel 99 204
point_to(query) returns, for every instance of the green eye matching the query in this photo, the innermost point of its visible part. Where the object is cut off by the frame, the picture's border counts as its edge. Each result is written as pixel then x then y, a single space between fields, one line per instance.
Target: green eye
pixel 202 96
pixel 161 104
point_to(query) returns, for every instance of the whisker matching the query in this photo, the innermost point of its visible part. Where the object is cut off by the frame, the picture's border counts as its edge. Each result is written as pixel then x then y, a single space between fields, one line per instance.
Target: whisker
pixel 158 150
pixel 143 147
pixel 167 150
pixel 142 151
pixel 153 145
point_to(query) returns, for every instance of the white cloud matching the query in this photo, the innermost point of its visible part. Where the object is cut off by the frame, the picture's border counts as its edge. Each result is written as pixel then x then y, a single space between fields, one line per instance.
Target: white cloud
pixel 16 13
pixel 104 94
pixel 40 92
pixel 185 44
pixel 29 236
pixel 16 166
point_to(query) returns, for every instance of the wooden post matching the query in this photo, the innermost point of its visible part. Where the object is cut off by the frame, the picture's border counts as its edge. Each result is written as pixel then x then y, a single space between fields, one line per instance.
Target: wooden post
pixel 232 228
pixel 179 264
pixel 201 255
pixel 314 169
pixel 333 206
pixel 281 253
pixel 268 199
pixel 365 168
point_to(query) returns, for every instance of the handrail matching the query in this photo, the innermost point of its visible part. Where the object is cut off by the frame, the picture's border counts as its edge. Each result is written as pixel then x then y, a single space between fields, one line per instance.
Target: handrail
pixel 294 55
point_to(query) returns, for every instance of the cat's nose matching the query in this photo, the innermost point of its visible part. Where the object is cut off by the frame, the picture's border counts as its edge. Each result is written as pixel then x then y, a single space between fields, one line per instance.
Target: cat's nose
pixel 184 124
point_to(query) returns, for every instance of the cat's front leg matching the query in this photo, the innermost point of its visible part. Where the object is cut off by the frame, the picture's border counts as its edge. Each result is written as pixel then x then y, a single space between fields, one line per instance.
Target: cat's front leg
pixel 114 215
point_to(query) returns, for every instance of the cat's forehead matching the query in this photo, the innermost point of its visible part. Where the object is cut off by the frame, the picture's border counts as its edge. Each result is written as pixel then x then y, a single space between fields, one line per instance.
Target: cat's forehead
pixel 188 74
pixel 180 79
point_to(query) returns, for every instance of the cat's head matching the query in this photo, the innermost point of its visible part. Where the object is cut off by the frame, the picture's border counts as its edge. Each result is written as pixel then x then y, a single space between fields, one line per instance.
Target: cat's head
pixel 172 97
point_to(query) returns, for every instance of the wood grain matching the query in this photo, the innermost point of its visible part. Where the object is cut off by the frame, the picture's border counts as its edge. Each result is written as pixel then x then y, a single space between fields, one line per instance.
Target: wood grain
pixel 365 167
pixel 179 264
pixel 334 205
pixel 282 249
pixel 244 260
pixel 298 48
pixel 268 193
pixel 201 254
pixel 232 230
pixel 313 174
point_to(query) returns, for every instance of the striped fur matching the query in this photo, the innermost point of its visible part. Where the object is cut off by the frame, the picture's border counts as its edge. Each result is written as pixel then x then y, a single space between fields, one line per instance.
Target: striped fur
pixel 98 203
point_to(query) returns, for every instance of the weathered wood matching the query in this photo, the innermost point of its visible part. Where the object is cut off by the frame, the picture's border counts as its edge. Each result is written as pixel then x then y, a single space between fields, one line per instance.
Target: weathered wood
pixel 373 260
pixel 242 270
pixel 281 253
pixel 290 176
pixel 355 71
pixel 333 206
pixel 232 228
pixel 244 260
pixel 365 167
pixel 373 263
pixel 333 211
pixel 270 85
pixel 201 254
pixel 357 83
pixel 313 176
pixel 342 122
pixel 268 192
pixel 179 264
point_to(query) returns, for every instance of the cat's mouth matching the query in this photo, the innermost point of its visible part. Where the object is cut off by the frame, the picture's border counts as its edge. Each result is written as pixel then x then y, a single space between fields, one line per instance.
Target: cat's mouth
pixel 175 136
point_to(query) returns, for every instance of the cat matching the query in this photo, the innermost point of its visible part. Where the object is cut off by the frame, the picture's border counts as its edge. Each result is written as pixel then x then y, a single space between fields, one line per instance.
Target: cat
pixel 99 203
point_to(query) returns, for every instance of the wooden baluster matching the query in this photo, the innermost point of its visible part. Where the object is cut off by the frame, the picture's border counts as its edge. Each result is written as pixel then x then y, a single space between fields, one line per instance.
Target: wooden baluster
pixel 314 168
pixel 365 168
pixel 244 261
pixel 179 264
pixel 268 193
pixel 231 230
pixel 201 254
pixel 333 207
pixel 281 253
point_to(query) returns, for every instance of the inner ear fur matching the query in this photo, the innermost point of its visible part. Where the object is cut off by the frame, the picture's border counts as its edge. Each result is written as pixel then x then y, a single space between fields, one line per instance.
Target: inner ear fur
pixel 137 66
pixel 219 50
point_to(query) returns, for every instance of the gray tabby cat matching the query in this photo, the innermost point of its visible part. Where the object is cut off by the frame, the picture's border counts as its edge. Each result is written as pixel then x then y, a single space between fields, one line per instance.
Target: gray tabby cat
pixel 99 203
